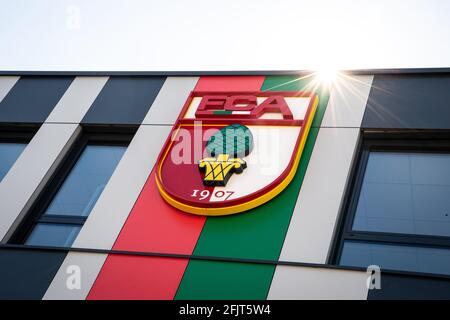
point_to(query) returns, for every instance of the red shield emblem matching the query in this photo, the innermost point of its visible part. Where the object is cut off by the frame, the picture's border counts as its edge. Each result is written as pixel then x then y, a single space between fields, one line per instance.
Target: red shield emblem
pixel 230 152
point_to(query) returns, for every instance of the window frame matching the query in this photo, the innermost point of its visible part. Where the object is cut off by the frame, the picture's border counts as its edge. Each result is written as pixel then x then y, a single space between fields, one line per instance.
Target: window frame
pixel 88 136
pixel 17 133
pixel 397 141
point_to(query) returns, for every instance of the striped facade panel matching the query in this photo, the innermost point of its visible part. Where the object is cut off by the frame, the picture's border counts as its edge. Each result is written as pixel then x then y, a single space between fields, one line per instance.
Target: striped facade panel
pixel 77 100
pixel 170 100
pixel 28 177
pixel 35 166
pixel 311 230
pixel 26 274
pixel 164 228
pixel 127 277
pixel 110 212
pixel 408 102
pixel 153 226
pixel 30 173
pixel 313 220
pixel 293 283
pixel 124 101
pixel 411 287
pixel 119 196
pixel 88 265
pixel 134 245
pixel 167 230
pixel 229 83
pixel 257 234
pixel 205 280
pixel 348 100
pixel 215 280
pixel 6 83
pixel 32 98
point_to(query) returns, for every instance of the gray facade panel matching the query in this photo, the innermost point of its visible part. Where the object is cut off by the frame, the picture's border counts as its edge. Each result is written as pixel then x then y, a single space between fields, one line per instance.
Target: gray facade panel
pixel 26 274
pixel 409 102
pixel 77 100
pixel 33 98
pixel 124 100
pixel 411 287
pixel 294 282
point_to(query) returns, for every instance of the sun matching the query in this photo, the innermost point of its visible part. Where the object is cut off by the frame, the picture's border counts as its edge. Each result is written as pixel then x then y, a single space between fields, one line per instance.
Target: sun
pixel 327 76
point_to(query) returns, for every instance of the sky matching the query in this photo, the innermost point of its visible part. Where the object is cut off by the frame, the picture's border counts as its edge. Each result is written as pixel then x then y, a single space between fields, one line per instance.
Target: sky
pixel 208 35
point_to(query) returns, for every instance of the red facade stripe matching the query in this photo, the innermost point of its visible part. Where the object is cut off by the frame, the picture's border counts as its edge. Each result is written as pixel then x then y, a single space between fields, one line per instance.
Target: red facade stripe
pixel 153 226
pixel 229 83
pixel 137 277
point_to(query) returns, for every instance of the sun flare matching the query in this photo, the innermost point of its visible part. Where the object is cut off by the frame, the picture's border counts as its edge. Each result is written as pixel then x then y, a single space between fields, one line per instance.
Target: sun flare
pixel 327 76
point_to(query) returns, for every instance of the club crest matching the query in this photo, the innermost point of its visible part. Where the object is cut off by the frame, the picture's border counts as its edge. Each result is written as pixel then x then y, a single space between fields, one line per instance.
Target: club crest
pixel 230 152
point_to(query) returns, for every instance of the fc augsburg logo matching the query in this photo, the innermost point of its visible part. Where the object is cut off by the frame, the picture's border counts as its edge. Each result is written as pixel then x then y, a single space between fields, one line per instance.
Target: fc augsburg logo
pixel 230 152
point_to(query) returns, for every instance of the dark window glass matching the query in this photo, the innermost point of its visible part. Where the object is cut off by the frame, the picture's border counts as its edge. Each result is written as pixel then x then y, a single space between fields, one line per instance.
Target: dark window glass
pixel 9 152
pixel 399 206
pixel 405 193
pixel 53 234
pixel 396 257
pixel 64 216
pixel 82 187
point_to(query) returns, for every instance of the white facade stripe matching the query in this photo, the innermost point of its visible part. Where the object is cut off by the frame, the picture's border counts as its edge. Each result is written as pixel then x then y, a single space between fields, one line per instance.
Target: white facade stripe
pixel 292 283
pixel 77 99
pixel 313 222
pixel 348 99
pixel 170 100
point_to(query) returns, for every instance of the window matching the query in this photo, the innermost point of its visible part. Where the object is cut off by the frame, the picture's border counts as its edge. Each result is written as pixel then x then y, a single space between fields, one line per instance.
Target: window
pixel 398 209
pixel 9 152
pixel 13 141
pixel 73 192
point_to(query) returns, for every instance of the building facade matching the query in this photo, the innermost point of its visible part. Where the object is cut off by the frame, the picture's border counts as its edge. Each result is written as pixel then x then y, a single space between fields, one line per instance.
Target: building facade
pixel 363 214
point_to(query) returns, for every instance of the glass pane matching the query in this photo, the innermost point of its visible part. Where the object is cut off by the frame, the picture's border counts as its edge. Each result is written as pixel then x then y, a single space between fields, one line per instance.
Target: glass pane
pixel 50 234
pixel 396 257
pixel 9 152
pixel 405 193
pixel 84 184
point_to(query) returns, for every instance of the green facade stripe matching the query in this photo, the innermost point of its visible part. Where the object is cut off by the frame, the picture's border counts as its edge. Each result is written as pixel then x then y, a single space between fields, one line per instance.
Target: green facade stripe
pixel 287 83
pixel 258 233
pixel 225 281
